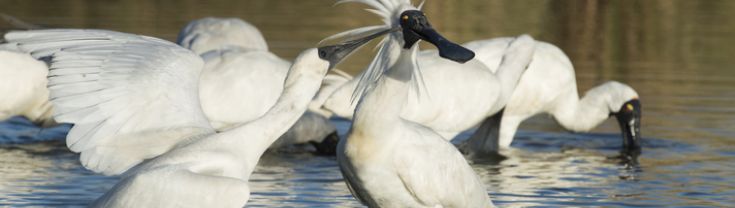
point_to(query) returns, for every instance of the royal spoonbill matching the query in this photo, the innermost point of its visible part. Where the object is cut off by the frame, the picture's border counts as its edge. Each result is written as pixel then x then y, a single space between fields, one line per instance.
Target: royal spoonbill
pixel 134 104
pixel 388 161
pixel 548 86
pixel 241 80
pixel 23 86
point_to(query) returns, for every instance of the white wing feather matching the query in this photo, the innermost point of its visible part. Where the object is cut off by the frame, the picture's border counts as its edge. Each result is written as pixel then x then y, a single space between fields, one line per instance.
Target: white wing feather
pixel 129 97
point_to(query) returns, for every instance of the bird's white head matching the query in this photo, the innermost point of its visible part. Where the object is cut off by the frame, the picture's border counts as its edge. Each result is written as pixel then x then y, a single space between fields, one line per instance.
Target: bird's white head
pixel 623 103
pixel 310 60
pixel 617 94
pixel 405 25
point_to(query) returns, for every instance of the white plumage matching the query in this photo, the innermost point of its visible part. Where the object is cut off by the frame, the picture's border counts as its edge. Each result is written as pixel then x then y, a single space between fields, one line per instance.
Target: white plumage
pixel 548 86
pixel 241 79
pixel 457 97
pixel 239 85
pixel 389 161
pixel 23 87
pixel 134 104
pixel 106 83
pixel 212 33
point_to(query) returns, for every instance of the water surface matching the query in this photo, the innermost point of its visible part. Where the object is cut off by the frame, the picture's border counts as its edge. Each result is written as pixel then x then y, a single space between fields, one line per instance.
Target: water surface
pixel 676 54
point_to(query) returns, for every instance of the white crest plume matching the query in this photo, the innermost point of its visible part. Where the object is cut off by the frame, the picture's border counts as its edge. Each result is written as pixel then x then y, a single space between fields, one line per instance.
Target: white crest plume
pixel 388 10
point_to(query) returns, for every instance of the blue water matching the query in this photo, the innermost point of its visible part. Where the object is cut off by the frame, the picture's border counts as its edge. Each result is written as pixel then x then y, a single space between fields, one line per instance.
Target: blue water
pixel 543 169
pixel 19 130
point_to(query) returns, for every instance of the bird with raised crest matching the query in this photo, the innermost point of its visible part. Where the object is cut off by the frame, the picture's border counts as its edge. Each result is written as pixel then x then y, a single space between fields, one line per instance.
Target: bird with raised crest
pixel 389 161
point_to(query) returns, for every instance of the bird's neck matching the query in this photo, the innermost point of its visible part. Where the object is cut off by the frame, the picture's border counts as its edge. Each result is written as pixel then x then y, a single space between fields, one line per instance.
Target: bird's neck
pixel 581 115
pixel 253 138
pixel 516 59
pixel 381 107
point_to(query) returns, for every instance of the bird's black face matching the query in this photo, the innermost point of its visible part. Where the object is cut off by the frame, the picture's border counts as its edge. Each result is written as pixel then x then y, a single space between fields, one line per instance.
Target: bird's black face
pixel 629 118
pixel 416 27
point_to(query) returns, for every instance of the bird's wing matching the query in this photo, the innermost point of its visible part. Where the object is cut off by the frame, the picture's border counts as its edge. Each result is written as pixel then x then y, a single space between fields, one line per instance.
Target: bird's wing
pixel 9 47
pixel 330 84
pixel 130 97
pixel 435 173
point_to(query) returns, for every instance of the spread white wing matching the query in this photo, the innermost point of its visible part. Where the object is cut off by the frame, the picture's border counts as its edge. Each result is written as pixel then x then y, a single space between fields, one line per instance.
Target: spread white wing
pixel 129 97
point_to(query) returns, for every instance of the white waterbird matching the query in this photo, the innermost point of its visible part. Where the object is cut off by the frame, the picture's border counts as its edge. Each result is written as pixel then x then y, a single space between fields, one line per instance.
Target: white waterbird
pixel 134 104
pixel 548 86
pixel 388 161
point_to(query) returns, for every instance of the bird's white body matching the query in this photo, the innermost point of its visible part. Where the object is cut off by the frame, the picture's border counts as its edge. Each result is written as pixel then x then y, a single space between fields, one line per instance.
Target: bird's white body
pixel 240 85
pixel 135 105
pixel 390 161
pixel 23 87
pixel 548 86
pixel 241 79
